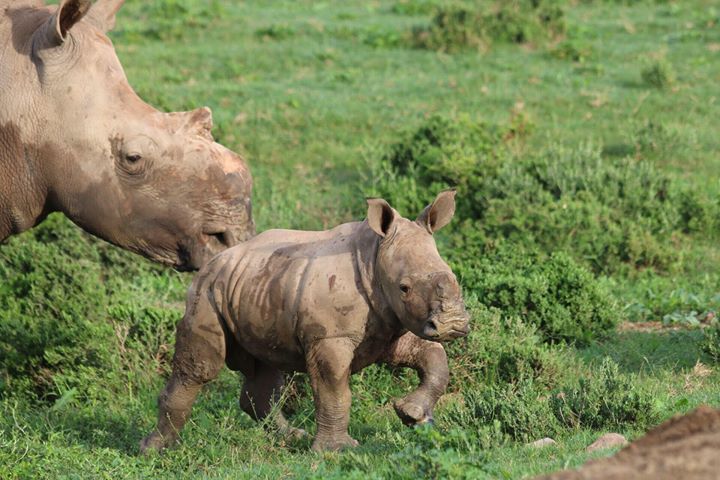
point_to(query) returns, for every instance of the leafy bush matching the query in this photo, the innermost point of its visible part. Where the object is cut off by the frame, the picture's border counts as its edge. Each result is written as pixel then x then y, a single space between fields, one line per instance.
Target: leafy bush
pixel 555 294
pixel 277 31
pixel 711 341
pixel 607 399
pixel 573 50
pixel 609 214
pixel 504 349
pixel 658 73
pixel 519 411
pixel 414 7
pixel 458 26
pixel 51 309
pixel 68 315
pixel 169 19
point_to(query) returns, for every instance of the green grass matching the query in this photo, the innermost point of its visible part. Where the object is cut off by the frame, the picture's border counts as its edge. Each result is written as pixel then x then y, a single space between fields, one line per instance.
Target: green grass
pixel 315 94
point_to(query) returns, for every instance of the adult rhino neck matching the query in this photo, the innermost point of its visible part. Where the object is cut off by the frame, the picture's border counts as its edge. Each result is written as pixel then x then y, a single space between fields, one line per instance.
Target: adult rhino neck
pixel 366 245
pixel 23 192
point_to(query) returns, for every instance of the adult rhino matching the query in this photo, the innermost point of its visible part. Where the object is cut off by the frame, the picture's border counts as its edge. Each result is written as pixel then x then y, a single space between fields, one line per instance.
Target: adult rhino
pixel 75 138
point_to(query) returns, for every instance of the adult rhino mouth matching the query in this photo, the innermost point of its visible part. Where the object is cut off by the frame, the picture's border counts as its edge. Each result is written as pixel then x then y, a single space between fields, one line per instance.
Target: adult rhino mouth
pixel 209 243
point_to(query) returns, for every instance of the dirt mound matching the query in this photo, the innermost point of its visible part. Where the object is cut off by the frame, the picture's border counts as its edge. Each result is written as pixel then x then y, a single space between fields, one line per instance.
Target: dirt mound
pixel 686 447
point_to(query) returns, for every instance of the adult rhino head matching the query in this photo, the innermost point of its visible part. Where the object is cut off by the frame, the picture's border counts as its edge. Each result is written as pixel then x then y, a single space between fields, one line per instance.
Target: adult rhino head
pixel 75 138
pixel 419 286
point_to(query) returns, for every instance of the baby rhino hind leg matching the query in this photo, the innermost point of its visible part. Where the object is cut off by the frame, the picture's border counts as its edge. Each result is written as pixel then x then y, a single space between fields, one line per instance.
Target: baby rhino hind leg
pixel 259 398
pixel 430 361
pixel 199 357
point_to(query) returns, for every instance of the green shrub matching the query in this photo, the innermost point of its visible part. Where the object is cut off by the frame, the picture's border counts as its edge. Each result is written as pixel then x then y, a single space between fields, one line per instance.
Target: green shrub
pixel 573 50
pixel 52 309
pixel 504 349
pixel 519 411
pixel 609 214
pixel 475 24
pixel 555 294
pixel 278 31
pixel 414 7
pixel 658 73
pixel 607 399
pixel 711 341
pixel 168 19
pixel 69 319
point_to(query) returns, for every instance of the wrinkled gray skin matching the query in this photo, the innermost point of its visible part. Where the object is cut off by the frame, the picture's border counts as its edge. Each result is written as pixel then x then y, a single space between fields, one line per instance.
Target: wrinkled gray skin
pixel 75 138
pixel 326 303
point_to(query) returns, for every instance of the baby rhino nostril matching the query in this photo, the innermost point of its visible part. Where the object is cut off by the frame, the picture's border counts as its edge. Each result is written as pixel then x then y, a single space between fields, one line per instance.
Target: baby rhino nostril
pixel 430 329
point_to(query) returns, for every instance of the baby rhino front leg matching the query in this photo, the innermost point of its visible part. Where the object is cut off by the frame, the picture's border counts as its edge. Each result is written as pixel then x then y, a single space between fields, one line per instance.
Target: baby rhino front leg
pixel 328 365
pixel 430 361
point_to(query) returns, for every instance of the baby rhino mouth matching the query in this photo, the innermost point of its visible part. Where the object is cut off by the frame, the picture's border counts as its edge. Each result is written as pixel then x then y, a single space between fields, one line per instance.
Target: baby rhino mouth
pixel 446 326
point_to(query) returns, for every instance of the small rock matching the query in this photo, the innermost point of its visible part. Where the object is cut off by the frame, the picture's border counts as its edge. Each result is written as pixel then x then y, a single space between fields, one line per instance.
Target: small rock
pixel 609 440
pixel 543 442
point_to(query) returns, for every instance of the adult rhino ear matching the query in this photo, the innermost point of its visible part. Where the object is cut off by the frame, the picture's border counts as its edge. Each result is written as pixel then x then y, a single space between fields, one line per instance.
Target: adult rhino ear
pixel 381 216
pixel 439 213
pixel 103 13
pixel 195 122
pixel 66 16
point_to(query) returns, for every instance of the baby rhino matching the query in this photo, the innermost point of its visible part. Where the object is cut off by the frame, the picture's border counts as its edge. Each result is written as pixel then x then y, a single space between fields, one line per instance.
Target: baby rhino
pixel 326 303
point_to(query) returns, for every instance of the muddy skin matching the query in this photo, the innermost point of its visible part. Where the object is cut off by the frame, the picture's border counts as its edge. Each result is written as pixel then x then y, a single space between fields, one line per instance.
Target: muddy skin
pixel 325 303
pixel 75 138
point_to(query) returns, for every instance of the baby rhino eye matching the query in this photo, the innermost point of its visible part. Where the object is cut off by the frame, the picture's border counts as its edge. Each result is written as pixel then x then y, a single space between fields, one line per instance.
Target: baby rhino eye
pixel 404 288
pixel 133 158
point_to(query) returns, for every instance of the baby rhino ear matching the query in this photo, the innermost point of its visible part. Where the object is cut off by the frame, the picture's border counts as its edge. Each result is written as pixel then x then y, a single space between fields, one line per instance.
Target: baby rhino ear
pixel 439 213
pixel 381 216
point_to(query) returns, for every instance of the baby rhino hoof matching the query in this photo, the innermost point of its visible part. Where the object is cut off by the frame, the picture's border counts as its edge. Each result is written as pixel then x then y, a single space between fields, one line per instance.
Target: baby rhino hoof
pixel 154 443
pixel 411 413
pixel 334 444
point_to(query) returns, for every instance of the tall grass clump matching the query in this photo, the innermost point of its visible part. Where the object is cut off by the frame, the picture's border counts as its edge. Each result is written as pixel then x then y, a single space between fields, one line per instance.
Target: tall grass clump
pixel 711 341
pixel 658 73
pixel 607 399
pixel 477 24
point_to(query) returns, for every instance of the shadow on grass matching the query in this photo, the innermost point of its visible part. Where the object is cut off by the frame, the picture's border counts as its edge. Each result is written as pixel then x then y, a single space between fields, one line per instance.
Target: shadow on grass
pixel 650 352
pixel 97 429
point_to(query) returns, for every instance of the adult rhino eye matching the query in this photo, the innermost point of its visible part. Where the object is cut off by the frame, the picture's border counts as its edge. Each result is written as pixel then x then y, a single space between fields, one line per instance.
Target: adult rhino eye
pixel 133 158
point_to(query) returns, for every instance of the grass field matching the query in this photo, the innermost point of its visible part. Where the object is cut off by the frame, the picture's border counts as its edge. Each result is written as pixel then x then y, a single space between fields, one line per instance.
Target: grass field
pixel 587 159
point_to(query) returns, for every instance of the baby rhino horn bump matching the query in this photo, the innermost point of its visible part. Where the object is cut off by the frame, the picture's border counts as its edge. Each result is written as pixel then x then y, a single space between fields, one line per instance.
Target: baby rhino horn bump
pixel 439 213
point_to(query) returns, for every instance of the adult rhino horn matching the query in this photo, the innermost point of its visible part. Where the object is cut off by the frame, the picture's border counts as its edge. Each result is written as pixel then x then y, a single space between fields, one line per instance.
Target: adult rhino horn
pixel 103 13
pixel 194 122
pixel 54 32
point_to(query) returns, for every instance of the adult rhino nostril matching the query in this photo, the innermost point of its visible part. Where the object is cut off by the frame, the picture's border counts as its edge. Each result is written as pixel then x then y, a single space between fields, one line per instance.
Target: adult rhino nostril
pixel 219 240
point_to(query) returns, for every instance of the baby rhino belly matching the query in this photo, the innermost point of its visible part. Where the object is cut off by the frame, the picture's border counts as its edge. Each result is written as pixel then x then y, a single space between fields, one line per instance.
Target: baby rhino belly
pixel 265 322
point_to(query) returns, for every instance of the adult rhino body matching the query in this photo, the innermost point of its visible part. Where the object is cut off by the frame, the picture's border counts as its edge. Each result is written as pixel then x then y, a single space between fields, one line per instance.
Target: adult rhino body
pixel 326 303
pixel 75 138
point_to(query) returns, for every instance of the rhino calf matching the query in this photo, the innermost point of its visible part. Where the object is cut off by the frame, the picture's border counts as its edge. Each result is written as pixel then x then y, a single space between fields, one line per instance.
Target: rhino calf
pixel 326 303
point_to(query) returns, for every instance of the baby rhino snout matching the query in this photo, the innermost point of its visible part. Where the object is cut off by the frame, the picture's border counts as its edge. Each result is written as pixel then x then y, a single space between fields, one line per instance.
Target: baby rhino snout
pixel 449 318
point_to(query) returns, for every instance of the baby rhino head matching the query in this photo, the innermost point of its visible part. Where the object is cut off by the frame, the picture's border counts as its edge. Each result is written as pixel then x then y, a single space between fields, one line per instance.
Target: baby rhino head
pixel 418 284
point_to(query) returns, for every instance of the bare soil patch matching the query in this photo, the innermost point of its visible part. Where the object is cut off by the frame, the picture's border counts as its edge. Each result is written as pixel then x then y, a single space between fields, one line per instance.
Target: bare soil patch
pixel 683 447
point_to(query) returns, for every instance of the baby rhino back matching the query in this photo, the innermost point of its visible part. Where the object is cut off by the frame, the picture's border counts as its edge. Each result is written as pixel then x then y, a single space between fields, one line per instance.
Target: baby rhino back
pixel 285 289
